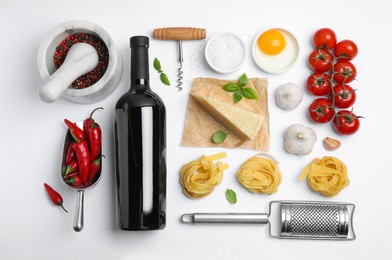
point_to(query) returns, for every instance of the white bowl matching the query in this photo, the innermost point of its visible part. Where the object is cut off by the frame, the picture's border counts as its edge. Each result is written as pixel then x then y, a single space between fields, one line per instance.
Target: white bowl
pixel 102 88
pixel 270 69
pixel 232 52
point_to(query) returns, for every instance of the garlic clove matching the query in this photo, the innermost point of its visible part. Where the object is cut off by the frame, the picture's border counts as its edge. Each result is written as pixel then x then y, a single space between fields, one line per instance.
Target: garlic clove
pixel 331 144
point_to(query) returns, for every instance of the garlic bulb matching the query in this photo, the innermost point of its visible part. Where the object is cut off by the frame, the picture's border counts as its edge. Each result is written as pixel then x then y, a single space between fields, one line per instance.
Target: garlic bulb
pixel 289 96
pixel 299 139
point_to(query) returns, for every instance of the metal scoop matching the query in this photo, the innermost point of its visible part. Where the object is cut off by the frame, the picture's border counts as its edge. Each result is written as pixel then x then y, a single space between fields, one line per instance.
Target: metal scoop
pixel 78 219
pixel 292 219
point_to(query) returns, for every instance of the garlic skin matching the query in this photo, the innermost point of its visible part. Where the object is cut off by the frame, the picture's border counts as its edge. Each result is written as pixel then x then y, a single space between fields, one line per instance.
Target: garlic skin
pixel 331 144
pixel 299 139
pixel 289 96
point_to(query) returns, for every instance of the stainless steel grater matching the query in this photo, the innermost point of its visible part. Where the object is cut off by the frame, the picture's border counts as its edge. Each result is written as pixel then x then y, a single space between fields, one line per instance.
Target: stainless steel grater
pixel 292 219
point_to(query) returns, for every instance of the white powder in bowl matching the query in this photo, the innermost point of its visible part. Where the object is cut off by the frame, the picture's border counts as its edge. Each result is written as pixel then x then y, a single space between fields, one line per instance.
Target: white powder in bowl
pixel 225 52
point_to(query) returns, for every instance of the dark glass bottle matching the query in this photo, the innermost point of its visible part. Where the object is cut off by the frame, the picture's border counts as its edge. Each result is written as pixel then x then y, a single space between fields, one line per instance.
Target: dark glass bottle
pixel 140 140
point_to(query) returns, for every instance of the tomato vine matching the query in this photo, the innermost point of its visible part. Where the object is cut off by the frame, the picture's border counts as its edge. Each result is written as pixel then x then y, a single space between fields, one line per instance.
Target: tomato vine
pixel 331 61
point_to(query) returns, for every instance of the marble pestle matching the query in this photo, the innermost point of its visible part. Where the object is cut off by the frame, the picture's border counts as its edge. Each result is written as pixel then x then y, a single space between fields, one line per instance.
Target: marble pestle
pixel 81 59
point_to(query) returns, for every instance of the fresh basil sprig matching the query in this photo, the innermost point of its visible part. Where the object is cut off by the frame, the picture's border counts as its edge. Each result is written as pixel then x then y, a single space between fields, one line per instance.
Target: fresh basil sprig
pixel 163 76
pixel 240 90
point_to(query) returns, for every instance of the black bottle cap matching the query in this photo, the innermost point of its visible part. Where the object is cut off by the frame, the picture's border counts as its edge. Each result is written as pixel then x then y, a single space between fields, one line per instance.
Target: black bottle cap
pixel 139 58
pixel 142 41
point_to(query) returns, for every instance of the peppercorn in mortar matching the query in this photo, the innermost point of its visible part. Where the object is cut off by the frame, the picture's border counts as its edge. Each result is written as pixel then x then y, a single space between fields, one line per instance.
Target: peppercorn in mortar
pixel 96 74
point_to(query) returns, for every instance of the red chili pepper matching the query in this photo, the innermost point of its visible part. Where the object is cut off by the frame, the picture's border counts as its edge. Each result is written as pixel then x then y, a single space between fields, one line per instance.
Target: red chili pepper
pixel 66 177
pixel 76 132
pixel 71 167
pixel 94 135
pixel 74 179
pixel 70 154
pixel 83 159
pixel 55 196
pixel 94 168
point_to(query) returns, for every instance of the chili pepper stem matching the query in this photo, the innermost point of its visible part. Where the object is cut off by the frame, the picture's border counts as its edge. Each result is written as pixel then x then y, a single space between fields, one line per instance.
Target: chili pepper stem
pixel 92 112
pixel 68 170
pixel 61 205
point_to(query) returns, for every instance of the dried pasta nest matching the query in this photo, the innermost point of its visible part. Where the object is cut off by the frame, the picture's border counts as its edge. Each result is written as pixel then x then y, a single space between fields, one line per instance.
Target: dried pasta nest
pixel 327 175
pixel 199 178
pixel 260 174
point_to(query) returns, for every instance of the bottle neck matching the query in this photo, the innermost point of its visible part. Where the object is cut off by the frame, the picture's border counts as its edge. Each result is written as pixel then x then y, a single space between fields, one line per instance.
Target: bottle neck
pixel 140 78
pixel 140 84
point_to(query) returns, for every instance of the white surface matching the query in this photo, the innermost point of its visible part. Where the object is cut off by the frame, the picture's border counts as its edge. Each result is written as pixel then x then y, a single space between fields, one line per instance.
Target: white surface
pixel 32 133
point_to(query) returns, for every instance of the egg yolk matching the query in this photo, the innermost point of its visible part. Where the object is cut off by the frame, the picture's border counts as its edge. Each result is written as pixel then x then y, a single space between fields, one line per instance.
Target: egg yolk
pixel 272 42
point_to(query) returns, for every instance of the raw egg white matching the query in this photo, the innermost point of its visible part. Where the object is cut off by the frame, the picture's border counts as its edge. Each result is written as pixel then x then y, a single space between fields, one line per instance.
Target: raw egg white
pixel 275 50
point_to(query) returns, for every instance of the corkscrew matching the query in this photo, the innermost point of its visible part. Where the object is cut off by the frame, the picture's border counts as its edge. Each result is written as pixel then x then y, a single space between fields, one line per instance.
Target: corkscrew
pixel 180 60
pixel 180 34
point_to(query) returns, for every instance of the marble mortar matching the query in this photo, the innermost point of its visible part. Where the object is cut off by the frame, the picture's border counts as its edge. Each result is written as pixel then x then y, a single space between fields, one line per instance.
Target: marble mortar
pixel 101 89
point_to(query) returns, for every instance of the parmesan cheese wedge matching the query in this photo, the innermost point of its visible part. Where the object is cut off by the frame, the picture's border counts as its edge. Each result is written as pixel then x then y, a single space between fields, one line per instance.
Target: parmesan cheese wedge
pixel 241 122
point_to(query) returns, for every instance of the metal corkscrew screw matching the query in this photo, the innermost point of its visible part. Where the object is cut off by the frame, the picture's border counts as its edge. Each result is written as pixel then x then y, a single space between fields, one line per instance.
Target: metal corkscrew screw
pixel 180 34
pixel 180 60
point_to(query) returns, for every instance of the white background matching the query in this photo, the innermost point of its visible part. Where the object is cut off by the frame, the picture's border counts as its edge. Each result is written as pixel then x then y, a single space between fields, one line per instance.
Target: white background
pixel 32 133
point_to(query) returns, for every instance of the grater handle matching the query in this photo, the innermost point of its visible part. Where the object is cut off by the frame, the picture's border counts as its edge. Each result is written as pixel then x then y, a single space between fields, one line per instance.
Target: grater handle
pixel 225 218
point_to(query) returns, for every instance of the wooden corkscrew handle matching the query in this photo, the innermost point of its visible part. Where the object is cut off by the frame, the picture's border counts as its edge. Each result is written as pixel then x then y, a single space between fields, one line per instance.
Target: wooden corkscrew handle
pixel 179 33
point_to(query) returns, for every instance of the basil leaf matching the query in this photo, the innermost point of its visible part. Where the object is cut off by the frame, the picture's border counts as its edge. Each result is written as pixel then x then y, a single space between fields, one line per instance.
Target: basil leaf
pixel 230 87
pixel 250 93
pixel 165 79
pixel 243 81
pixel 231 196
pixel 157 65
pixel 219 136
pixel 238 95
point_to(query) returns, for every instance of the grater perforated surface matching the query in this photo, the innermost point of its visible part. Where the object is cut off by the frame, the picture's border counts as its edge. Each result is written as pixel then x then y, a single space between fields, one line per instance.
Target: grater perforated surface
pixel 315 220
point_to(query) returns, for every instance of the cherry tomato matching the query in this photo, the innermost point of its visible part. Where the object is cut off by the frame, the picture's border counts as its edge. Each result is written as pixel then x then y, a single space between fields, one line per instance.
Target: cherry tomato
pixel 319 84
pixel 321 111
pixel 324 37
pixel 347 123
pixel 344 96
pixel 320 60
pixel 345 72
pixel 346 50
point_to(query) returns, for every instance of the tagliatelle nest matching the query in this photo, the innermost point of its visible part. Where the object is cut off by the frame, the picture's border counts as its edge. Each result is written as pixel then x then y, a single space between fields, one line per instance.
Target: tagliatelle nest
pixel 327 175
pixel 260 175
pixel 200 177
